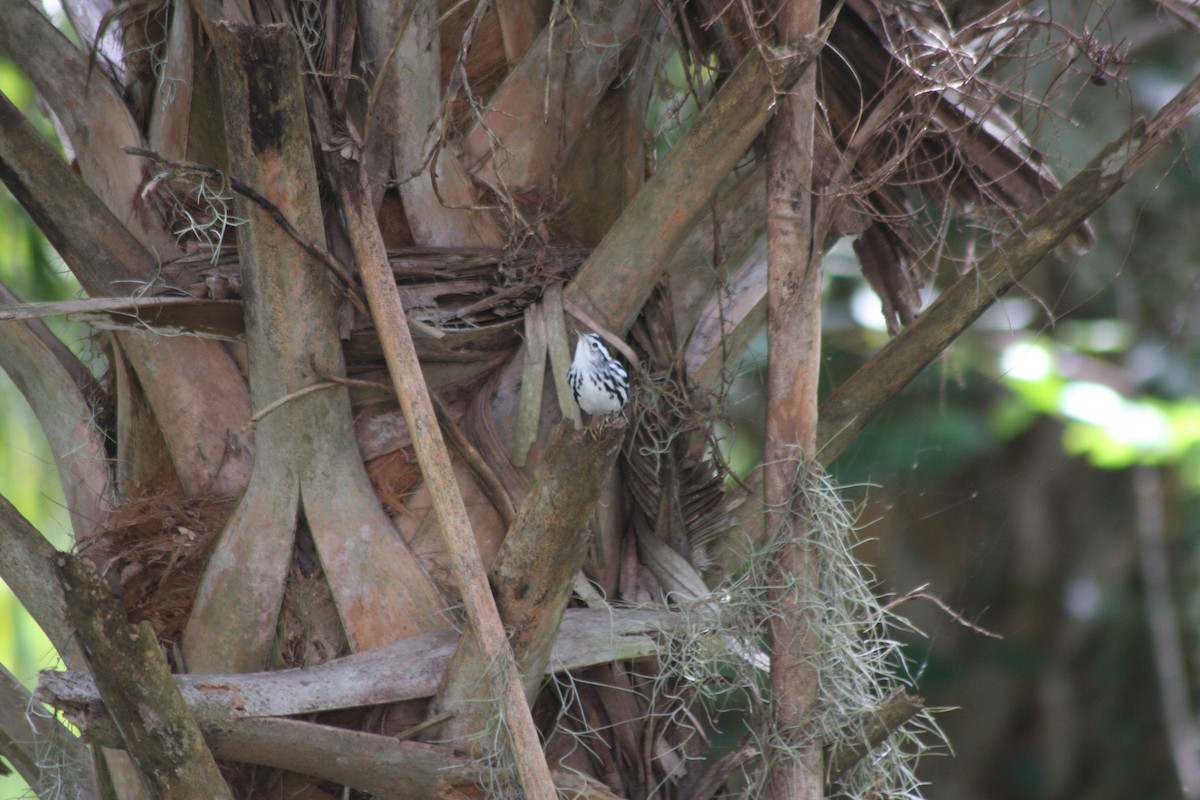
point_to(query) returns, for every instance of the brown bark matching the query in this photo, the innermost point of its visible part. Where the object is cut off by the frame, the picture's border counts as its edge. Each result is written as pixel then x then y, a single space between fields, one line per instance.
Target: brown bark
pixel 307 454
pixel 795 769
pixel 534 571
pixel 465 564
pixel 133 677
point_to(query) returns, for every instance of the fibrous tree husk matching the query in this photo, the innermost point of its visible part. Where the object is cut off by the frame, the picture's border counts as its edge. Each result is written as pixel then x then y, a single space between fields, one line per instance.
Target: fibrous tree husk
pixel 344 250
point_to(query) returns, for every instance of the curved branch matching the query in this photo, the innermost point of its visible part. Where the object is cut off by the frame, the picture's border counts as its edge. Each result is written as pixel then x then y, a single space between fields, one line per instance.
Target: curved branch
pixel 204 415
pixel 96 120
pixel 66 418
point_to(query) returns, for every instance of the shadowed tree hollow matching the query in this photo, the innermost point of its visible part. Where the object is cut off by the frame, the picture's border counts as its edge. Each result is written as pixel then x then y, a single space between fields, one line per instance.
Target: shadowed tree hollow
pixel 340 525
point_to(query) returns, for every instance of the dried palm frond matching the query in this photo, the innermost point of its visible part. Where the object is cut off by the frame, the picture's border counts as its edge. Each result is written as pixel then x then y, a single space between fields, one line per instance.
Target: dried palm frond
pixel 914 128
pixel 678 492
pixel 452 289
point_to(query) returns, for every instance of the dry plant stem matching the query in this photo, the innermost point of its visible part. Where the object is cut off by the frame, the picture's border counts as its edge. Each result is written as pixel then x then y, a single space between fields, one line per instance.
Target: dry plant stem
pixel 405 129
pixel 897 708
pixel 100 252
pixel 306 450
pixel 465 564
pixel 1170 658
pixel 543 102
pixel 489 482
pixel 95 117
pixel 66 418
pixel 793 358
pixel 49 757
pixel 614 283
pixel 558 346
pixel 856 402
pixel 378 765
pixel 133 677
pixel 587 637
pixel 171 113
pixel 533 373
pixel 534 571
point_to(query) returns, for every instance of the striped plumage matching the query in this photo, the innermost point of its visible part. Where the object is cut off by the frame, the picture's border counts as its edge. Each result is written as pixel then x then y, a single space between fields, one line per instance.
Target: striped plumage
pixel 598 381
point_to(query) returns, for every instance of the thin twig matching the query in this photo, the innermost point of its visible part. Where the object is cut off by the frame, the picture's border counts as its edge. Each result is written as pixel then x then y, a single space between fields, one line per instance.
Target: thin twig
pixel 413 730
pixel 919 593
pixel 287 398
pixel 490 483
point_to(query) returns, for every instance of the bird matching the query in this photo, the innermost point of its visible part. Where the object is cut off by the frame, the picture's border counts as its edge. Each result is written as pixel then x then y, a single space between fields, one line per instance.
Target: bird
pixel 598 381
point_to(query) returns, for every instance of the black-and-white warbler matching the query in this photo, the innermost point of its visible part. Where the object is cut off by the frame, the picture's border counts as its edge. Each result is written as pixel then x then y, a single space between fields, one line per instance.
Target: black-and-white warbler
pixel 598 381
